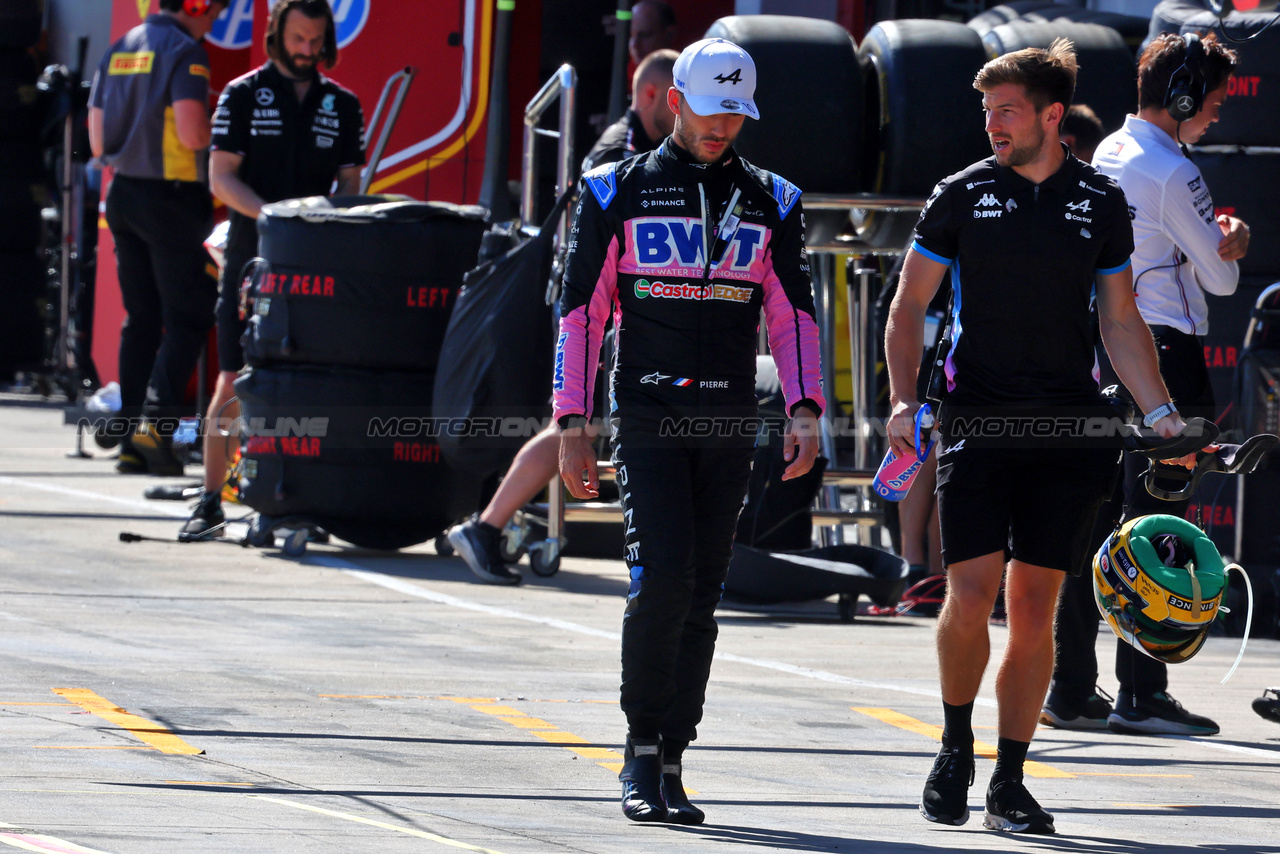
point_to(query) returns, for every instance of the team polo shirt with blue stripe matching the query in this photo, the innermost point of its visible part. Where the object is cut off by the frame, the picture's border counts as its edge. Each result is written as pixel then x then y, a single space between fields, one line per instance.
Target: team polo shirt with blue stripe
pixel 153 65
pixel 1024 259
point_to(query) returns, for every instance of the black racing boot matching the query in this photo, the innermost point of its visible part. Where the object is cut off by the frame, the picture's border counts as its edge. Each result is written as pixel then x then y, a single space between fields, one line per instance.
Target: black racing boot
pixel 642 780
pixel 679 810
pixel 207 519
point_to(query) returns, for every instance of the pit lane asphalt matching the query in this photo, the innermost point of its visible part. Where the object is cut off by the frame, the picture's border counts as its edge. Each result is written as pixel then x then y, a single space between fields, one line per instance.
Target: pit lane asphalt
pixel 161 697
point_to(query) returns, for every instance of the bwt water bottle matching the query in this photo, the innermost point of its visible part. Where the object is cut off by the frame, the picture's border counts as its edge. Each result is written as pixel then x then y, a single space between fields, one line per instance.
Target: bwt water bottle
pixel 896 473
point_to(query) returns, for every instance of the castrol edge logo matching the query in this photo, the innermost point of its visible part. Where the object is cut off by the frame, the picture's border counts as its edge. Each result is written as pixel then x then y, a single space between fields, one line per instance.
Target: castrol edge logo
pixel 674 244
pixel 684 290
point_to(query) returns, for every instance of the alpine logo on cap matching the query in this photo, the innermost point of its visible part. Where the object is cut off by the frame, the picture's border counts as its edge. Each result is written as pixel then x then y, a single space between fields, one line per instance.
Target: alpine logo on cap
pixel 735 78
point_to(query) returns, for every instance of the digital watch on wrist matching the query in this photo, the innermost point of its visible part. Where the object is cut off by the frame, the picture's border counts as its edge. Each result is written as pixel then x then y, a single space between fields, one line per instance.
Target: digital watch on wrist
pixel 1150 419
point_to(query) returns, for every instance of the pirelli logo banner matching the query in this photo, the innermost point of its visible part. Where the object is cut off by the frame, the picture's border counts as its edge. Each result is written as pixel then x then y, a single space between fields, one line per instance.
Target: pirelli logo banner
pixel 131 63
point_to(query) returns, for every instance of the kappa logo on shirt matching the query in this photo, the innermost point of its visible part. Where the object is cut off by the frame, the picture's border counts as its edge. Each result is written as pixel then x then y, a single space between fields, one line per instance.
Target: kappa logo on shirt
pixel 987 201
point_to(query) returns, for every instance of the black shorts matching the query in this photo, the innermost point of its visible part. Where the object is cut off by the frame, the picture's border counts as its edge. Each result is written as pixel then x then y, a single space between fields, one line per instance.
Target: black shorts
pixel 1037 505
pixel 230 326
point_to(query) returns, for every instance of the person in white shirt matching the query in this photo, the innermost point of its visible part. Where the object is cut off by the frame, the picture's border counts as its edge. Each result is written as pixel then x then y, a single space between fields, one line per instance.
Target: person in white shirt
pixel 1182 252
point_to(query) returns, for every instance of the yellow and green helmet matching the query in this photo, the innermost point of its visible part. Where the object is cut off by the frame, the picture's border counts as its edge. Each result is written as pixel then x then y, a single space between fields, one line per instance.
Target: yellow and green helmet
pixel 1159 582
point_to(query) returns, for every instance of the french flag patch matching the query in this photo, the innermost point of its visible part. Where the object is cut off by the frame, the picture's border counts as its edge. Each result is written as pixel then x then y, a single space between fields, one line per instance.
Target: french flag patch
pixel 682 382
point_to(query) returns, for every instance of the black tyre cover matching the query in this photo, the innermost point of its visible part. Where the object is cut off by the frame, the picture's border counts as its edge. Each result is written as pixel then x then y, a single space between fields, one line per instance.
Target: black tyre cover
pixel 1251 114
pixel 22 289
pixel 1245 185
pixel 810 127
pixel 359 281
pixel 1005 13
pixel 1108 78
pixel 923 114
pixel 1168 15
pixel 20 22
pixel 353 450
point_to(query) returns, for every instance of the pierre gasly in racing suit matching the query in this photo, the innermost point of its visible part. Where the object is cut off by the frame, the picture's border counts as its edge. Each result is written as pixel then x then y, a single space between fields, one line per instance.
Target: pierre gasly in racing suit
pixel 682 397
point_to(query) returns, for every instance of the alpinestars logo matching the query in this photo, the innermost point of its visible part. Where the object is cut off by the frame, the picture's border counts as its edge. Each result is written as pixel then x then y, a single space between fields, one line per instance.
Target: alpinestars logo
pixel 654 378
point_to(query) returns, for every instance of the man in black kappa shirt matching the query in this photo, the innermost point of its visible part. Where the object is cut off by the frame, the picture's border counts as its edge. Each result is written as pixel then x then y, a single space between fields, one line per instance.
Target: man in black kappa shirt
pixel 1026 234
pixel 283 131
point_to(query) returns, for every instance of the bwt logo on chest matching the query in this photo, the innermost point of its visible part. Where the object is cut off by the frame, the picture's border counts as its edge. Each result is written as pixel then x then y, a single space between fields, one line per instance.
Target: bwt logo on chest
pixel 664 242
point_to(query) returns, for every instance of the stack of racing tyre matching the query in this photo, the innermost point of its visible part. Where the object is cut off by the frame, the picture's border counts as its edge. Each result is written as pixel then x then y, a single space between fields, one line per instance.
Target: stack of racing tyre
pixel 350 301
pixel 21 190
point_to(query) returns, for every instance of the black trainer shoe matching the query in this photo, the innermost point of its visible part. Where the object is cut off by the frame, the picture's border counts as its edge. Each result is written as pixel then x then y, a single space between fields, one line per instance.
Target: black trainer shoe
pixel 207 520
pixel 1158 713
pixel 1066 712
pixel 477 544
pixel 157 450
pixel 679 810
pixel 1011 808
pixel 946 791
pixel 1268 706
pixel 641 778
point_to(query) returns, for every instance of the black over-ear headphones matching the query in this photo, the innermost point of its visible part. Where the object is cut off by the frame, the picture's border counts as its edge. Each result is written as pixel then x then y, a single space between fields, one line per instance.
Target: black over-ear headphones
pixel 1185 94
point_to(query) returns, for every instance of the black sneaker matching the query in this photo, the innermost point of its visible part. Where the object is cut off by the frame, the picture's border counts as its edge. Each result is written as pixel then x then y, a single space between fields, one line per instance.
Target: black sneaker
pixel 641 778
pixel 1066 712
pixel 679 810
pixel 1011 808
pixel 477 544
pixel 207 520
pixel 1157 713
pixel 946 791
pixel 1269 706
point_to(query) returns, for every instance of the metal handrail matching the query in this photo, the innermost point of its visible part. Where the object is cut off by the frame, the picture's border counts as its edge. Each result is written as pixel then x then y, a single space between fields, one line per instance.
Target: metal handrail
pixel 405 77
pixel 562 85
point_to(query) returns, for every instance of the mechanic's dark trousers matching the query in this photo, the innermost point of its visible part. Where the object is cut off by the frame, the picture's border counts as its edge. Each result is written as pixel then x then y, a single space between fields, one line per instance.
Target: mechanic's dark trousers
pixel 169 288
pixel 1076 628
pixel 680 509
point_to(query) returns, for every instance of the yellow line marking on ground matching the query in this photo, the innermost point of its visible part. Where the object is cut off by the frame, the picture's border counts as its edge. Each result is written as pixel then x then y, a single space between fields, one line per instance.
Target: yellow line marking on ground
pixel 150 732
pixel 526 722
pixel 42 843
pixel 1105 774
pixel 616 767
pixel 493 709
pixel 411 831
pixel 980 748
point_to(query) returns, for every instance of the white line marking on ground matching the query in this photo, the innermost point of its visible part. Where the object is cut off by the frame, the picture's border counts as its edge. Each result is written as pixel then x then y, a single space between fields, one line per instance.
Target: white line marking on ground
pixel 412 831
pixel 153 506
pixel 400 585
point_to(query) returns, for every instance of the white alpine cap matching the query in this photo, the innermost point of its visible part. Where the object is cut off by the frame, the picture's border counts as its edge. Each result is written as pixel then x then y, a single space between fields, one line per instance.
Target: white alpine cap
pixel 716 76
